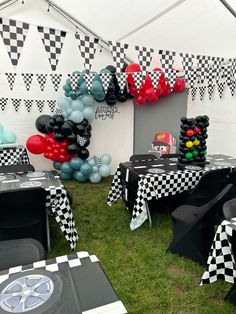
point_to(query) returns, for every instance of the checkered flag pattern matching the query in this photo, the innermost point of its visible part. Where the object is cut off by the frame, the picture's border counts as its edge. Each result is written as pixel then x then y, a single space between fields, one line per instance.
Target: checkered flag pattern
pixel 121 78
pixel 11 77
pixel 203 64
pixel 193 77
pixel 172 77
pixel 13 34
pixel 53 40
pixel 193 93
pixel 227 73
pixel 87 47
pixel 51 105
pixel 42 79
pixel 14 156
pixel 89 79
pixel 220 88
pixel 210 75
pixel 115 191
pixel 118 51
pixel 82 140
pixel 27 78
pixel 40 104
pixel 167 60
pixel 187 89
pixel 56 81
pixel 16 103
pixel 3 103
pixel 221 262
pixel 138 78
pixel 187 62
pixel 232 87
pixel 217 66
pixel 144 57
pixel 155 76
pixel 57 201
pixel 59 111
pixel 106 78
pixel 210 89
pixel 202 90
pixel 28 104
pixel 233 66
pixel 98 161
pixel 74 77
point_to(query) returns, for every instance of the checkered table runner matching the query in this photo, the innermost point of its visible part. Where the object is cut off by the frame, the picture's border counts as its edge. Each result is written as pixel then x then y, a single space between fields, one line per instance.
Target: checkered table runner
pixel 13 156
pixel 221 263
pixel 58 202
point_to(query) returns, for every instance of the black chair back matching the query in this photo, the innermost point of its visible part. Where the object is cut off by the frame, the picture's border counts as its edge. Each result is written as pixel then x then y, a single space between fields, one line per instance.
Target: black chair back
pixel 166 156
pixel 229 209
pixel 142 157
pixel 16 168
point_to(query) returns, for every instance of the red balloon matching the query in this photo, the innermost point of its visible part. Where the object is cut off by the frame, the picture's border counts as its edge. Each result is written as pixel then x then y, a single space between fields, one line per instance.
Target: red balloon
pixel 139 100
pixel 133 67
pixel 167 89
pixel 160 89
pixel 189 132
pixel 197 129
pixel 36 144
pixel 179 85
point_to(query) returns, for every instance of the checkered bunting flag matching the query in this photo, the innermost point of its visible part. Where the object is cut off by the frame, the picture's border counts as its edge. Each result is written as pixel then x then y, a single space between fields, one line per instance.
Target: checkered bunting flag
pixel 53 40
pixel 11 77
pixel 187 62
pixel 210 89
pixel 155 76
pixel 52 105
pixel 187 89
pixel 193 93
pixel 138 78
pixel 42 78
pixel 27 78
pixel 40 104
pixel 233 66
pixel 217 63
pixel 232 87
pixel 16 103
pixel 13 34
pixel 193 77
pixel 227 73
pixel 28 104
pixel 118 51
pixel 3 103
pixel 56 80
pixel 203 65
pixel 121 78
pixel 87 47
pixel 145 57
pixel 167 60
pixel 89 79
pixel 221 87
pixel 202 90
pixel 106 78
pixel 210 75
pixel 74 77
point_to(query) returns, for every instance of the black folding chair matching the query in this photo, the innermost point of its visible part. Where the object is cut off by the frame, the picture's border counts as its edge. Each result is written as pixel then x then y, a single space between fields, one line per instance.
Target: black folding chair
pixel 142 157
pixel 16 168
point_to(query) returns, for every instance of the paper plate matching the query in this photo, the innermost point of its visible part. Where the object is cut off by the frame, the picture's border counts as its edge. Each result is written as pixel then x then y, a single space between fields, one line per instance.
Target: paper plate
pixel 156 170
pixel 222 163
pixel 35 174
pixel 174 159
pixel 30 184
pixel 193 168
pixel 2 178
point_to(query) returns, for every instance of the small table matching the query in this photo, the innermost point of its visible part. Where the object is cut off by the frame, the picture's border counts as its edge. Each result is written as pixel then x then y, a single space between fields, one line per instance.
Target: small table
pixel 69 284
pixel 56 198
pixel 156 179
pixel 13 155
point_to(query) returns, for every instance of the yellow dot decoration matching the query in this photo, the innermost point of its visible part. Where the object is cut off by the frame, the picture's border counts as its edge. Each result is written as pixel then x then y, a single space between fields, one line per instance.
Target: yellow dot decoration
pixel 189 144
pixel 196 142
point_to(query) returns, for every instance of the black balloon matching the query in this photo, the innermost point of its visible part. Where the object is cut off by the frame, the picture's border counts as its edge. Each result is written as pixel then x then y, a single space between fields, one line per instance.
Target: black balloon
pixel 59 120
pixel 72 138
pixel 56 129
pixel 85 122
pixel 41 123
pixel 66 128
pixel 111 68
pixel 87 142
pixel 49 128
pixel 72 149
pixel 83 153
pixel 59 137
pixel 80 129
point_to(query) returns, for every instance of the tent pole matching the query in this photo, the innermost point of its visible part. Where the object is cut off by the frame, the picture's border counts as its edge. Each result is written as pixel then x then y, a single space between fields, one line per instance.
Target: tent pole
pixel 7 3
pixel 228 7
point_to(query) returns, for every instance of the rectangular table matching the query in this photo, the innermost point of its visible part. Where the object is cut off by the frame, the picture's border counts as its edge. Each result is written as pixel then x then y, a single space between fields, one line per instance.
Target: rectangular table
pixel 13 154
pixel 157 179
pixel 56 198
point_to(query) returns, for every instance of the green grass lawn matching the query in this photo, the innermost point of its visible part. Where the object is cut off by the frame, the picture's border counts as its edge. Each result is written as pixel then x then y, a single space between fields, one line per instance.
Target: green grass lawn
pixel 147 279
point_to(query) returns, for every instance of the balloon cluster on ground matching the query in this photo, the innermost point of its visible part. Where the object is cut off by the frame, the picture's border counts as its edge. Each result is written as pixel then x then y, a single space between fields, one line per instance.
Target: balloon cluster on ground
pixel 6 137
pixel 193 135
pixel 92 169
pixel 147 92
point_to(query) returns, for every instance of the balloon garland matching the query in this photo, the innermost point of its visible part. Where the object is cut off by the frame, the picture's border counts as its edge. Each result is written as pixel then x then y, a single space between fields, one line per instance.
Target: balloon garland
pixel 6 137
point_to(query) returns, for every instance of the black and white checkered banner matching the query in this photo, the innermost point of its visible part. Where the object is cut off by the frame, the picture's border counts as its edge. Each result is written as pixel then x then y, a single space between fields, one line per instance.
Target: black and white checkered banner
pixel 167 59
pixel 144 57
pixel 193 77
pixel 118 51
pixel 232 87
pixel 28 104
pixel 40 104
pixel 53 40
pixel 16 103
pixel 138 78
pixel 3 103
pixel 74 77
pixel 233 66
pixel 51 104
pixel 210 90
pixel 187 90
pixel 27 78
pixel 210 75
pixel 121 78
pixel 155 76
pixel 42 79
pixel 89 77
pixel 87 47
pixel 227 73
pixel 105 78
pixel 56 80
pixel 202 90
pixel 193 93
pixel 202 65
pixel 187 62
pixel 220 88
pixel 217 63
pixel 11 77
pixel 13 34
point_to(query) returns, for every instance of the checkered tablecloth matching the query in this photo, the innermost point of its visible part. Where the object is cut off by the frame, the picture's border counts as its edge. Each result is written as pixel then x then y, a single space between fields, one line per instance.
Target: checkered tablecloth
pixel 221 263
pixel 13 155
pixel 155 186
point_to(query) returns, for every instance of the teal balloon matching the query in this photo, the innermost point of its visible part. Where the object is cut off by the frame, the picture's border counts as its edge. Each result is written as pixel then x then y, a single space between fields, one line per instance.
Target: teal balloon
pixel 87 99
pixel 65 115
pixel 100 97
pixel 67 94
pixel 96 77
pixel 95 177
pixel 83 88
pixel 77 105
pixel 73 95
pixel 1 139
pixel 104 170
pixel 106 159
pixel 86 169
pixel 57 165
pixel 9 137
pixel 67 88
pixel 88 113
pixel 80 177
pixel 63 103
pixel 65 167
pixel 95 169
pixel 105 71
pixel 77 116
pixel 1 128
pixel 65 176
pixel 69 111
pixel 92 162
pixel 75 163
pixel 96 88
